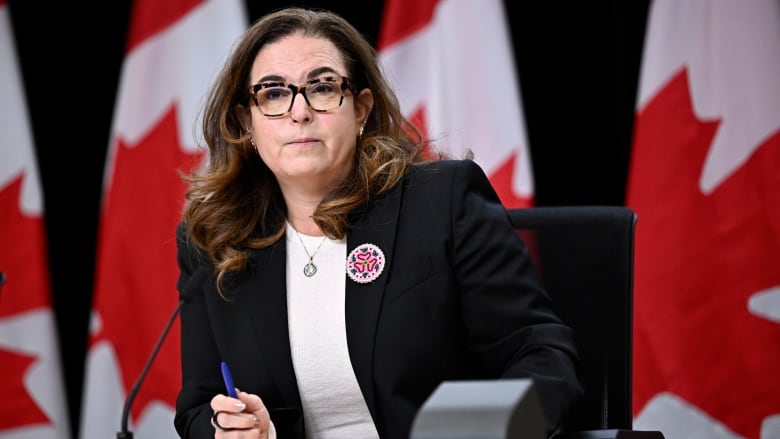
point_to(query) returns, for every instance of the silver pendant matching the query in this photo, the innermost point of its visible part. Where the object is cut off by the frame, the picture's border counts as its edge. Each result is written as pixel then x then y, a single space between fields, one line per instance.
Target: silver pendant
pixel 309 269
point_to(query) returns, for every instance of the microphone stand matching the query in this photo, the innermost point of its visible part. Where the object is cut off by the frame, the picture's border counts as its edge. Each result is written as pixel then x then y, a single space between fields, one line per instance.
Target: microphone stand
pixel 125 433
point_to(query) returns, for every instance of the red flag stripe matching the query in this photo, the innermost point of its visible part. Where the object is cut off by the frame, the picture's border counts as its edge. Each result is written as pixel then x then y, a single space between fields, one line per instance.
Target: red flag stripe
pixel 400 21
pixel 432 51
pixel 150 17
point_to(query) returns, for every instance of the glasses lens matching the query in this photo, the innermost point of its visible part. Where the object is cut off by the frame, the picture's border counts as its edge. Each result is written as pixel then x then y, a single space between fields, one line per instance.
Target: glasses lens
pixel 274 97
pixel 324 93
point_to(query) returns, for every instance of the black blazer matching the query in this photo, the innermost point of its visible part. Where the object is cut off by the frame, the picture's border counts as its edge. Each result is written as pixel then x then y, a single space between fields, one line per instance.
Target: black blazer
pixel 458 299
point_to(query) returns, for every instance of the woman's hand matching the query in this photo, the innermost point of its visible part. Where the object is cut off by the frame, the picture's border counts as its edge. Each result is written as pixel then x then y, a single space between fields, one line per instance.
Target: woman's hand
pixel 242 417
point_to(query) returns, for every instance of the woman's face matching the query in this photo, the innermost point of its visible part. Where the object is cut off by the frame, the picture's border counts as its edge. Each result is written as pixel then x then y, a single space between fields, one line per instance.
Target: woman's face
pixel 306 150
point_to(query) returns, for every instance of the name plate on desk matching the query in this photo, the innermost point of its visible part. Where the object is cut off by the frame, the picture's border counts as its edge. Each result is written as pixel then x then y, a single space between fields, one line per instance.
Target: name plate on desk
pixel 485 409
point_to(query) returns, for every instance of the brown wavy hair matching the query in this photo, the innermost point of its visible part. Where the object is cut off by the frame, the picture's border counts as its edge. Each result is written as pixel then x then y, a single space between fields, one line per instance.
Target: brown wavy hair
pixel 234 203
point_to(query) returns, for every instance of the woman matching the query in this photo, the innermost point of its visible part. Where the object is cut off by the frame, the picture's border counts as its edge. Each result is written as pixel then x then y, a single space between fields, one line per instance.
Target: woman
pixel 340 276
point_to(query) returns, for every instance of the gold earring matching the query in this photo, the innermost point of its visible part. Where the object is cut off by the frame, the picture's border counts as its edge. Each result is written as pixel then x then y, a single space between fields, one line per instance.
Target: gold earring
pixel 360 131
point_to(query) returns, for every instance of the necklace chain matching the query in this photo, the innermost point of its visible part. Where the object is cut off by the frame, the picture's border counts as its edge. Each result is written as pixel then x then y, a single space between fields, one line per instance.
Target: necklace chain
pixel 309 269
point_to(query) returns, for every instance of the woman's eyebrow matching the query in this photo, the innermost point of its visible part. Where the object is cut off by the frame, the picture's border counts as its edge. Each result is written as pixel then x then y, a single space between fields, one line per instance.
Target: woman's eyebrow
pixel 320 70
pixel 312 74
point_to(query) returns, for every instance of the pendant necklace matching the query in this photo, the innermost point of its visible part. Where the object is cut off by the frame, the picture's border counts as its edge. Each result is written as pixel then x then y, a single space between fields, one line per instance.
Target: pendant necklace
pixel 309 269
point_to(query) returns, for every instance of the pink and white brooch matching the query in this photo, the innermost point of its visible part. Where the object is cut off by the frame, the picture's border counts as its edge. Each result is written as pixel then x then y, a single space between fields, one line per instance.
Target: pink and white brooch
pixel 365 263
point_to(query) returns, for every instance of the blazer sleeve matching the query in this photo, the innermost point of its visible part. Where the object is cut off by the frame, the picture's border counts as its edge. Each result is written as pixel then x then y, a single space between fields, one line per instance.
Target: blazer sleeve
pixel 511 322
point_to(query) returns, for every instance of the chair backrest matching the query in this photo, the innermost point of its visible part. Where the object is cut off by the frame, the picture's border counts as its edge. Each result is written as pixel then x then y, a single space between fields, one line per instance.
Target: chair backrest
pixel 585 255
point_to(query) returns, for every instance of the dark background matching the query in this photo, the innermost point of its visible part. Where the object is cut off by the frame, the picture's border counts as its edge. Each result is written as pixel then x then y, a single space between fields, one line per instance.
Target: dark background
pixel 578 65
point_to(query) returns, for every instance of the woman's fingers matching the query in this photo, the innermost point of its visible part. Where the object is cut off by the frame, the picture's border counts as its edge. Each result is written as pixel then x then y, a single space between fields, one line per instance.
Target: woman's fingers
pixel 243 414
pixel 252 401
pixel 227 404
pixel 255 406
pixel 227 421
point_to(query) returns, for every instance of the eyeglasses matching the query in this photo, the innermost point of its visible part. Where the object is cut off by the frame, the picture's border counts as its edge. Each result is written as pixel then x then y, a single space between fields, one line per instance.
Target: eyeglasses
pixel 321 94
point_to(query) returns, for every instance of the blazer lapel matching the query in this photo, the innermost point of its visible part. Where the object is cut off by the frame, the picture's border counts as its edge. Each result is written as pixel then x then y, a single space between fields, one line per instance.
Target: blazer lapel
pixel 377 226
pixel 266 294
pixel 266 298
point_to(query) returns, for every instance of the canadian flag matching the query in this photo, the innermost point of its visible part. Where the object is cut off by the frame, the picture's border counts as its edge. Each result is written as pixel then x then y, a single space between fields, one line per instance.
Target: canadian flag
pixel 174 50
pixel 704 180
pixel 32 405
pixel 452 65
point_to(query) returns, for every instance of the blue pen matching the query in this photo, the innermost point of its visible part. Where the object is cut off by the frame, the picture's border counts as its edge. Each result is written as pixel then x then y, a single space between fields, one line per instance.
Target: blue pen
pixel 231 388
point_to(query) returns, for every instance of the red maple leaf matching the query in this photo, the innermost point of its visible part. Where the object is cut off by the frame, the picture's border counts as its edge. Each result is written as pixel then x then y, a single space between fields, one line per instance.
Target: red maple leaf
pixel 136 275
pixel 23 255
pixel 502 178
pixel 23 260
pixel 17 407
pixel 699 258
pixel 417 118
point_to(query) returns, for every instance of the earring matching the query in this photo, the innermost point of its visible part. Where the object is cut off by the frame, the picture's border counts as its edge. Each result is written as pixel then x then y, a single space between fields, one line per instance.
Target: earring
pixel 251 139
pixel 360 131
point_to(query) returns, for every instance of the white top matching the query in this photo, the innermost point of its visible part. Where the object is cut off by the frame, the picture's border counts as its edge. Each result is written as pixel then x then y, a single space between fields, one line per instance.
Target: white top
pixel 333 406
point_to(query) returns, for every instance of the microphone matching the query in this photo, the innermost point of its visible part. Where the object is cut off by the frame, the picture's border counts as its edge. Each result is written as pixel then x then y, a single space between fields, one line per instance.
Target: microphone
pixel 190 291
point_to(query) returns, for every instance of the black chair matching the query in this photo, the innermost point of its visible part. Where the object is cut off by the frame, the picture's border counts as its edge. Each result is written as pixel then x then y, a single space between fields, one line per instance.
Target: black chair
pixel 585 255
